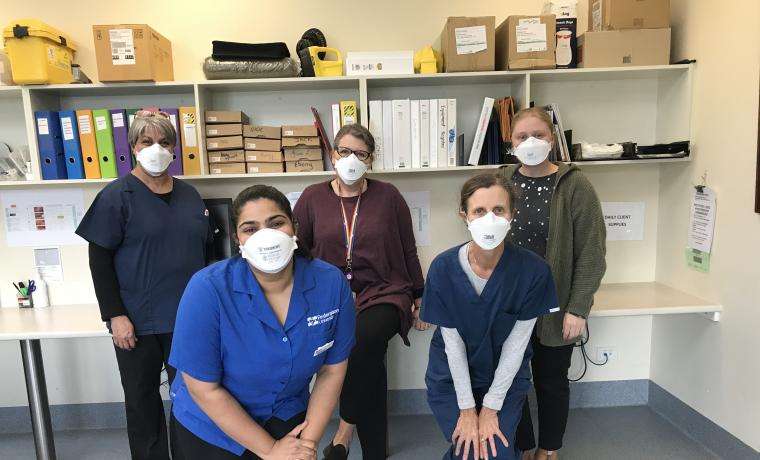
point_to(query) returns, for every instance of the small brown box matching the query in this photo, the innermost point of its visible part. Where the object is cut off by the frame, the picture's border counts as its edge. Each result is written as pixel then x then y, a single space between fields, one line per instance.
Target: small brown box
pixel 266 132
pixel 132 52
pixel 292 154
pixel 262 144
pixel 226 156
pixel 224 143
pixel 299 131
pixel 628 14
pixel 304 166
pixel 526 42
pixel 234 129
pixel 467 44
pixel 262 156
pixel 259 168
pixel 631 47
pixel 225 116
pixel 227 168
pixel 300 142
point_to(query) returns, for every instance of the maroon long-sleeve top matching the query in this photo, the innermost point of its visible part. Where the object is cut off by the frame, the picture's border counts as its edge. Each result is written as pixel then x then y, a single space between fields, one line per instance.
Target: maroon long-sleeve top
pixel 385 265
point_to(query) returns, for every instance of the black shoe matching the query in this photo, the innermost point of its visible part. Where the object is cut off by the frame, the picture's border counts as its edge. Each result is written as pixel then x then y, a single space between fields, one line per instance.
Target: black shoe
pixel 333 452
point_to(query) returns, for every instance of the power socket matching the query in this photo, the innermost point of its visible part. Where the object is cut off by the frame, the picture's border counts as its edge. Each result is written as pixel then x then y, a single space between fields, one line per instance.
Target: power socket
pixel 605 354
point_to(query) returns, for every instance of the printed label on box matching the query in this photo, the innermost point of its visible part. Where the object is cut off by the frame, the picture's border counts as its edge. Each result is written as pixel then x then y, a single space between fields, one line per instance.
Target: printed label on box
pixel 100 123
pixel 122 47
pixel 68 128
pixel 470 40
pixel 531 35
pixel 118 120
pixel 213 132
pixel 42 126
pixel 84 125
pixel 212 119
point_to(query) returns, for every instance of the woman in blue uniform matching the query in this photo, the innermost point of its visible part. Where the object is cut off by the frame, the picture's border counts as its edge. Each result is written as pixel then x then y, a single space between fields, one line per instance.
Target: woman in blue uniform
pixel 251 333
pixel 148 233
pixel 485 296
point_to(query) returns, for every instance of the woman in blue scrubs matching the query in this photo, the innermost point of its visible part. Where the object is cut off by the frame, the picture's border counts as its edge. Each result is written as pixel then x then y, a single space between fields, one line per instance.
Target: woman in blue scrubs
pixel 251 333
pixel 485 296
pixel 148 233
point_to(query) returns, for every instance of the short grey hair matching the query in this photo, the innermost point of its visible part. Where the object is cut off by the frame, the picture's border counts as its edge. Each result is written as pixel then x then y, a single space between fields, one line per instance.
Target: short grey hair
pixel 162 124
pixel 359 132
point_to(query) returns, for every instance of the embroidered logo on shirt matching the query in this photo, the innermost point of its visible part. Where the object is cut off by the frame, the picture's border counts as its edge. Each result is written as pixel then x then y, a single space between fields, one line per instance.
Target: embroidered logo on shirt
pixel 321 319
pixel 205 212
pixel 324 348
pixel 554 310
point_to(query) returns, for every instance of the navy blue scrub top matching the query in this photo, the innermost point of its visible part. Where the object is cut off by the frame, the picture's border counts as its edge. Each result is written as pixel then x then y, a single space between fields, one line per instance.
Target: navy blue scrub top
pixel 227 332
pixel 520 288
pixel 158 245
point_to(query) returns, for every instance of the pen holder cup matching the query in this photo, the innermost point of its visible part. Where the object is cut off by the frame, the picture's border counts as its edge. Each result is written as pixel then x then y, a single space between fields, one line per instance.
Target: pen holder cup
pixel 25 301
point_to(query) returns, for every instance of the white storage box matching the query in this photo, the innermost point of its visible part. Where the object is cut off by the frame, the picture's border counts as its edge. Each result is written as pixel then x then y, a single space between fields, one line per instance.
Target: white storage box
pixel 379 62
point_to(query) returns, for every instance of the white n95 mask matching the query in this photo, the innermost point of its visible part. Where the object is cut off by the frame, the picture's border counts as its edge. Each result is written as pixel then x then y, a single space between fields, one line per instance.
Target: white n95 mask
pixel 155 159
pixel 533 151
pixel 350 169
pixel 489 231
pixel 269 250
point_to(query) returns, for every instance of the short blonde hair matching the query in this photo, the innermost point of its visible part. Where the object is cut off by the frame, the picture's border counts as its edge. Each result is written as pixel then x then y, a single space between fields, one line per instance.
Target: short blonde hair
pixel 535 112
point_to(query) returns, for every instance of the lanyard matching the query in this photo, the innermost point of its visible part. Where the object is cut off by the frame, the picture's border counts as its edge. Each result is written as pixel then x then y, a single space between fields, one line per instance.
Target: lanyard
pixel 350 231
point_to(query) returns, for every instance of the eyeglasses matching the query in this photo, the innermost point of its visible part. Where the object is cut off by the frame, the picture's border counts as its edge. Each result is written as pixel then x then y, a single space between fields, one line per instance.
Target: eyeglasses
pixel 148 114
pixel 346 152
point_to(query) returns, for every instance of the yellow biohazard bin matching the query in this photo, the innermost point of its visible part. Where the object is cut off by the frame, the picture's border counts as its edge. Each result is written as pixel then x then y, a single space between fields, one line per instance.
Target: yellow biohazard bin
pixel 39 54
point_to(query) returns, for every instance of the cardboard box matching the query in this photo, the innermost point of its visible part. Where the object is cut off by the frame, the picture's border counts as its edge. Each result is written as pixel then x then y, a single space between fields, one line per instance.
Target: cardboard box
pixel 299 131
pixel 227 168
pixel 566 43
pixel 261 156
pixel 226 156
pixel 628 14
pixel 224 143
pixel 302 154
pixel 526 42
pixel 266 132
pixel 632 47
pixel 300 142
pixel 467 44
pixel 132 52
pixel 258 168
pixel 304 166
pixel 234 129
pixel 262 144
pixel 226 116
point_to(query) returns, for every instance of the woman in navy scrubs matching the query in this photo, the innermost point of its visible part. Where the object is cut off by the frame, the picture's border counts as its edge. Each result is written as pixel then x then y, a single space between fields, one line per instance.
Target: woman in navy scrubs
pixel 251 333
pixel 147 234
pixel 485 296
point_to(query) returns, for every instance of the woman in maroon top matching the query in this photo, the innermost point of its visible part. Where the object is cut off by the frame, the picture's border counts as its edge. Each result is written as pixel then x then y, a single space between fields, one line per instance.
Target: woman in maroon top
pixel 364 227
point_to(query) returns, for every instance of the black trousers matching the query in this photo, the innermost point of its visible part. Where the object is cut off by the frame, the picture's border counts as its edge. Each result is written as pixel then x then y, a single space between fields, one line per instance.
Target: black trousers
pixel 364 399
pixel 140 370
pixel 550 366
pixel 191 447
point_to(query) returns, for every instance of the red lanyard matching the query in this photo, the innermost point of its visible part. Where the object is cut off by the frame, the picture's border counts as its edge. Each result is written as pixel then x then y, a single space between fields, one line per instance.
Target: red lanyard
pixel 350 232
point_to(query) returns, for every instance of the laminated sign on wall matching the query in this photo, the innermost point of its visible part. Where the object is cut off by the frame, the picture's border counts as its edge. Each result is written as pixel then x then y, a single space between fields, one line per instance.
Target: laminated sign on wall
pixel 624 221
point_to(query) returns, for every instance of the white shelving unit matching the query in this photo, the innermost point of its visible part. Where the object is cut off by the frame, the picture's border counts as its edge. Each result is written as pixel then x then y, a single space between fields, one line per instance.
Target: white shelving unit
pixel 641 104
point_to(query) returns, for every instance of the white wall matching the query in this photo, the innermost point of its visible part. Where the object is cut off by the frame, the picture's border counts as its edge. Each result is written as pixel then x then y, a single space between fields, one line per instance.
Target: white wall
pixel 85 370
pixel 714 367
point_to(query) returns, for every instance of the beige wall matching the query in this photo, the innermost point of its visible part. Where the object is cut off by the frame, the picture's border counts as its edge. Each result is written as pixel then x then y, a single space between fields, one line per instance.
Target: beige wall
pixel 714 367
pixel 191 25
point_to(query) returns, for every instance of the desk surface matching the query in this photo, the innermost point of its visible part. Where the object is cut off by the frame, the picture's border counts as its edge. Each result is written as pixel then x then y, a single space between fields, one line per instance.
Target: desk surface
pixel 623 299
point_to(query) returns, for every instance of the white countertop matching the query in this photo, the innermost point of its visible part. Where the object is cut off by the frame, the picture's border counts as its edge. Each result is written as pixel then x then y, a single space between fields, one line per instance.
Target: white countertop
pixel 622 299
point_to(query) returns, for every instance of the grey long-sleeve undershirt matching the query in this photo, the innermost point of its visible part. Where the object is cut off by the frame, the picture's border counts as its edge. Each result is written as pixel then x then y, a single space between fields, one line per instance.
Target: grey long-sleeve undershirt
pixel 512 352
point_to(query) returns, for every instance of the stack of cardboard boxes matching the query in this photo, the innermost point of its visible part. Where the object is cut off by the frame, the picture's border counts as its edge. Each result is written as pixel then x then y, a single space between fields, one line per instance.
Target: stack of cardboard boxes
pixel 224 141
pixel 301 148
pixel 262 149
pixel 626 33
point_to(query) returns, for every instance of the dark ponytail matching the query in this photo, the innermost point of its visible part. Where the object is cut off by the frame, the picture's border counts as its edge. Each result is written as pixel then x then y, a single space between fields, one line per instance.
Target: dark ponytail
pixel 266 192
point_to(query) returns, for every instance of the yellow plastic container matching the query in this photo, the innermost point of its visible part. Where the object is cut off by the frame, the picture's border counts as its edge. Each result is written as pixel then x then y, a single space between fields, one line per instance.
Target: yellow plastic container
pixel 39 54
pixel 332 68
pixel 427 60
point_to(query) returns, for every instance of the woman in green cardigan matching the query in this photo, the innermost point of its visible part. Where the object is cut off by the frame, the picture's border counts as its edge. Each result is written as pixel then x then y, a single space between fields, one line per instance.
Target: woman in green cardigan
pixel 558 216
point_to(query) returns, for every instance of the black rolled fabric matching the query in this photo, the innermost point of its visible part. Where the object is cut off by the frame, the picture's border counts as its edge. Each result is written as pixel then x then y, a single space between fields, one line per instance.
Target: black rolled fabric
pixel 232 51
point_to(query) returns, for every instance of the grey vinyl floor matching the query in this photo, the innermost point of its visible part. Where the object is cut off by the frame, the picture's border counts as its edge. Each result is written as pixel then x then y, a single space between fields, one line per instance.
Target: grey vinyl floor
pixel 621 433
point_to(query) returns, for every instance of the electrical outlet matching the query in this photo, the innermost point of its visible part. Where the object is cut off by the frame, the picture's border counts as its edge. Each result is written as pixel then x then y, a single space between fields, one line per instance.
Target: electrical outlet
pixel 605 354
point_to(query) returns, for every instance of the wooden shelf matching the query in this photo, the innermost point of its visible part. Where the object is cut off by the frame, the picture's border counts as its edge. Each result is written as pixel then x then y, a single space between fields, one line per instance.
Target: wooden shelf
pixel 637 299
